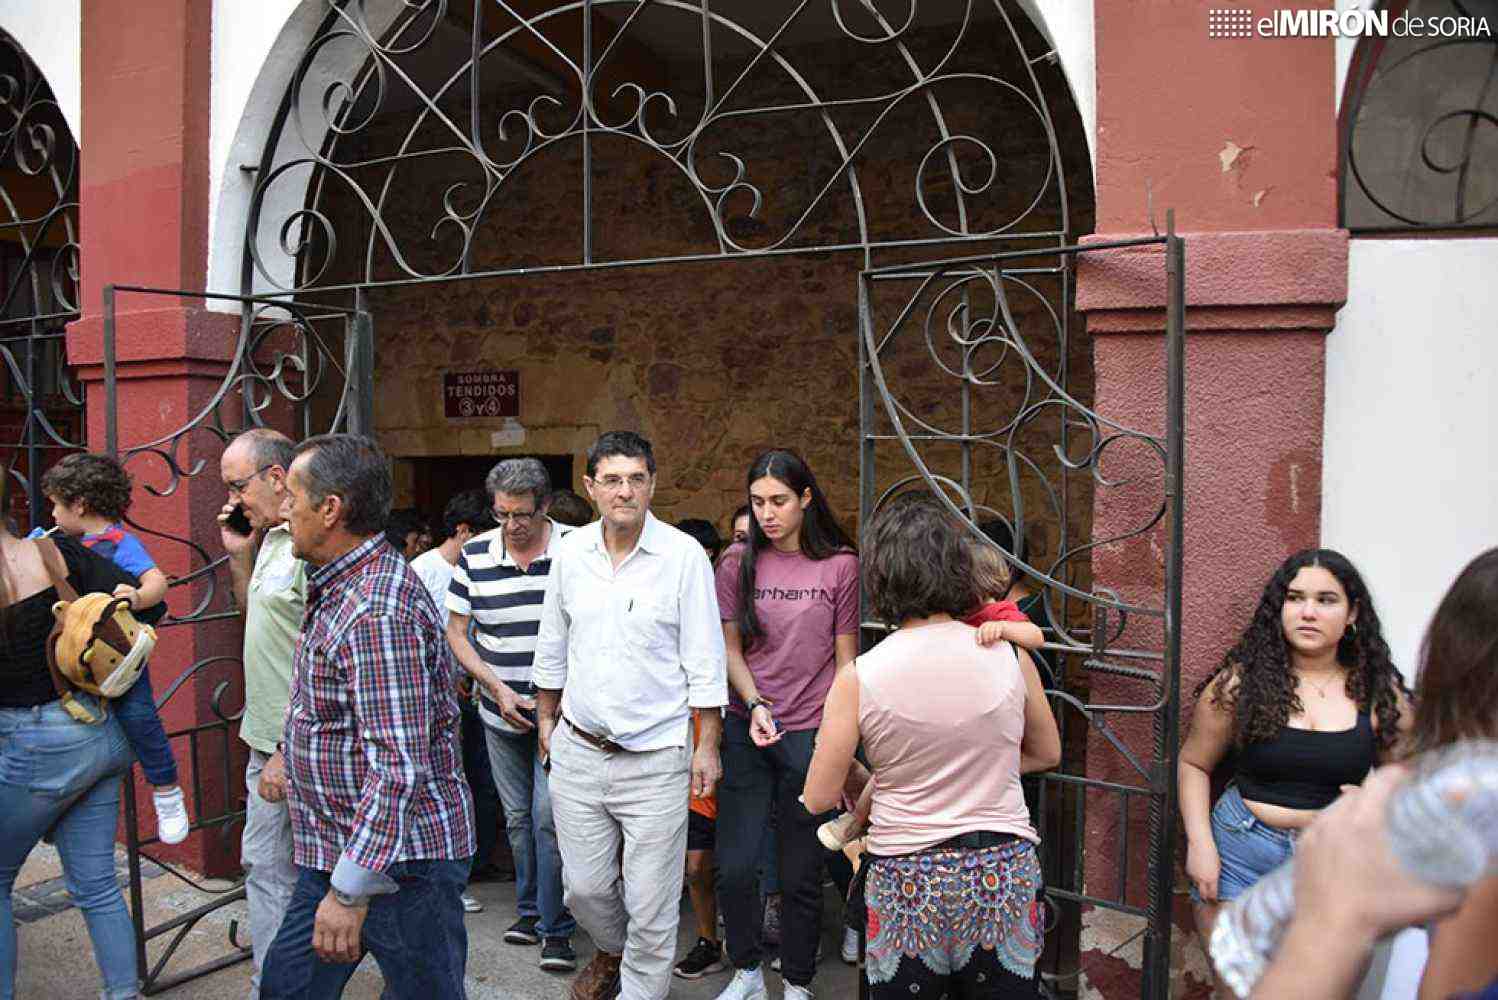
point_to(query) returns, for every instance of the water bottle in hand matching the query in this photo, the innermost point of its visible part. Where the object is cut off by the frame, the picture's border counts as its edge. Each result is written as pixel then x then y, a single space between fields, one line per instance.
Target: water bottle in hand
pixel 1443 828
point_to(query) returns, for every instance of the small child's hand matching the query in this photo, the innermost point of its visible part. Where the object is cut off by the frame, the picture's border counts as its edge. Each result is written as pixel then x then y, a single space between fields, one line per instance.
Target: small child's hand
pixel 990 633
pixel 129 593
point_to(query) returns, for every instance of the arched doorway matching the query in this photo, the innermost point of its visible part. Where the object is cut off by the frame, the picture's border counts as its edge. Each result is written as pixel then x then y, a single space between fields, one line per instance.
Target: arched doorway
pixel 571 176
pixel 731 226
pixel 41 409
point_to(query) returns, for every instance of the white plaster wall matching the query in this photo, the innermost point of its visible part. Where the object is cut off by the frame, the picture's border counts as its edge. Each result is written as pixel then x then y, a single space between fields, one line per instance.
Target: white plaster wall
pixel 250 72
pixel 1410 489
pixel 1068 25
pixel 51 32
pixel 1410 475
pixel 1345 47
pixel 257 49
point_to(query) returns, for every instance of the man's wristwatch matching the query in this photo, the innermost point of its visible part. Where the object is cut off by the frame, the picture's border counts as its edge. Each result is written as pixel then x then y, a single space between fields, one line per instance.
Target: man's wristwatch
pixel 756 703
pixel 347 899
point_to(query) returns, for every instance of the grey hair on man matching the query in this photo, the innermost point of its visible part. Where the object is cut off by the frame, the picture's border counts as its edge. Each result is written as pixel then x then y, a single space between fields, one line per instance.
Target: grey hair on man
pixel 519 476
pixel 354 469
pixel 270 447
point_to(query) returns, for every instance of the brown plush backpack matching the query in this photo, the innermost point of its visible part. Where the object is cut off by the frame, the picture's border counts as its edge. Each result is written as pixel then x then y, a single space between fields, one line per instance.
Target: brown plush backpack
pixel 96 644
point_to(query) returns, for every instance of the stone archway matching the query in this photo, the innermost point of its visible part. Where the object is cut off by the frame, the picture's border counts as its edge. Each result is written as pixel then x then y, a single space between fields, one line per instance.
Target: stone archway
pixel 405 132
pixel 429 152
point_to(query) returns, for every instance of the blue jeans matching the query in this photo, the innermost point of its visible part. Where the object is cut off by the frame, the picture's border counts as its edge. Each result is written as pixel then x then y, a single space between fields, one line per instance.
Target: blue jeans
pixel 416 935
pixel 136 710
pixel 1247 847
pixel 60 775
pixel 525 793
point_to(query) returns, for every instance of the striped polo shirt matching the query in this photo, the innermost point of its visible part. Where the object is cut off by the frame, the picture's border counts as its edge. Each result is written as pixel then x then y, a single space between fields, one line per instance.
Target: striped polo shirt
pixel 504 602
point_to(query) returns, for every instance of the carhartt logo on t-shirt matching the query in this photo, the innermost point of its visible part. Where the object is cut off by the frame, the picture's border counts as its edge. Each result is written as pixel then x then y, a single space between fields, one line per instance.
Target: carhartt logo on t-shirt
pixel 791 594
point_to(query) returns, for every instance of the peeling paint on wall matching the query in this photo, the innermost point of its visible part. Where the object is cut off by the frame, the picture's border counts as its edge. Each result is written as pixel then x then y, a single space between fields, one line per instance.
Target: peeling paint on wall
pixel 1233 156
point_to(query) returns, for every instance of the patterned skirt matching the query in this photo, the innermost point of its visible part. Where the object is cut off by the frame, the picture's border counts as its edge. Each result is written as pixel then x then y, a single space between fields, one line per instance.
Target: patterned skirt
pixel 967 923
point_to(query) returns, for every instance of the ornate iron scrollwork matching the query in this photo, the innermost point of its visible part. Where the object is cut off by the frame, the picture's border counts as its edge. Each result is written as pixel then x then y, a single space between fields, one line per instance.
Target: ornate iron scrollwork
pixel 486 122
pixel 42 409
pixel 287 370
pixel 1420 127
pixel 964 366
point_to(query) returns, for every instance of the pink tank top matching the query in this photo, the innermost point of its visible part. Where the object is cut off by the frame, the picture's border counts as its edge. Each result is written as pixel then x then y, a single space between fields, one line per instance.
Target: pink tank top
pixel 941 720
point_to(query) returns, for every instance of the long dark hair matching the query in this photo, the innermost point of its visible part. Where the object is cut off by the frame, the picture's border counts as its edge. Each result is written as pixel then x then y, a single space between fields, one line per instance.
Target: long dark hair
pixel 1263 697
pixel 821 535
pixel 1458 685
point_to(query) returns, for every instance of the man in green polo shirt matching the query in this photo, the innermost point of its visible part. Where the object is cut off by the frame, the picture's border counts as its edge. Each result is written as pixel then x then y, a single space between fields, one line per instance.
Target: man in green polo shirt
pixel 271 585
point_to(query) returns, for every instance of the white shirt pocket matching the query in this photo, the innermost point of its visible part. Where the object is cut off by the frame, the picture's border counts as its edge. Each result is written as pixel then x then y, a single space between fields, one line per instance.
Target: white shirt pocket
pixel 650 624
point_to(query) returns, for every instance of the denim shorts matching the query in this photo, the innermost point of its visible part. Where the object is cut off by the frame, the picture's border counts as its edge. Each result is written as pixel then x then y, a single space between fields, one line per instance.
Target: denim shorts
pixel 1248 847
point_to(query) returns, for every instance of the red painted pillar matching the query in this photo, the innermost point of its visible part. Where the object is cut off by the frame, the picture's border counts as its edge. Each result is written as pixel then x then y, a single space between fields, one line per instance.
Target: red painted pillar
pixel 1238 136
pixel 144 221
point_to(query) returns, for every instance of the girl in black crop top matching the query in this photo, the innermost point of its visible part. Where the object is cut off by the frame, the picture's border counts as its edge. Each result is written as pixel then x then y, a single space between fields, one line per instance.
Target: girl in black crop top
pixel 1309 700
pixel 25 681
pixel 58 775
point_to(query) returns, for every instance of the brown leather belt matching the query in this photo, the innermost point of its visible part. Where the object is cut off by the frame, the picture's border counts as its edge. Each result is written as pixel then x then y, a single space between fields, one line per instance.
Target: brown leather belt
pixel 601 743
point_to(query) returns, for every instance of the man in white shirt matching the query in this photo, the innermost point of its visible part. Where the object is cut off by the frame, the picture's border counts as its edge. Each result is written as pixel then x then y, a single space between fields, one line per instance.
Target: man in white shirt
pixel 465 515
pixel 629 650
pixel 498 586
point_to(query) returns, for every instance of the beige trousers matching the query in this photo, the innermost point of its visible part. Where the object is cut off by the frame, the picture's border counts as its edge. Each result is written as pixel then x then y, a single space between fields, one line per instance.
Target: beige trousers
pixel 603 802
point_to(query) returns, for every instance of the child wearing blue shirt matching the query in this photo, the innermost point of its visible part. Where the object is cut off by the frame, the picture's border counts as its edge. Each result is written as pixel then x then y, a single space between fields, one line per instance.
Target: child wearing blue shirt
pixel 90 495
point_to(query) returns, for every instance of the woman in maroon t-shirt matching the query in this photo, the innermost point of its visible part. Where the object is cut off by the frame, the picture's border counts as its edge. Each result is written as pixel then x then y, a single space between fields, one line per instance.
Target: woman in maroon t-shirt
pixel 788 597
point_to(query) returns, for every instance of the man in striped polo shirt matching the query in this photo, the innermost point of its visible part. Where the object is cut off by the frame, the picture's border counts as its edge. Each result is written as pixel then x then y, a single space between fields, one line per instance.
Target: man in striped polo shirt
pixel 498 585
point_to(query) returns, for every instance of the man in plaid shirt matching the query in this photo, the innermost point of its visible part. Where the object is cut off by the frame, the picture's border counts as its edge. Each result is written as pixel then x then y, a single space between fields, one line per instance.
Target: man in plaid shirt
pixel 382 821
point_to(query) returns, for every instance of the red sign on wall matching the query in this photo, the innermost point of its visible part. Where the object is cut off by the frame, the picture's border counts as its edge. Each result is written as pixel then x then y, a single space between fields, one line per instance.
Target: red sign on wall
pixel 482 393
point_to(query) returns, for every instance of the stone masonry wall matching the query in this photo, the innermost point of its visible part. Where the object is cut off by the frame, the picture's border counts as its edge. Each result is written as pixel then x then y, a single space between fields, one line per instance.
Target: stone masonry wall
pixel 717 361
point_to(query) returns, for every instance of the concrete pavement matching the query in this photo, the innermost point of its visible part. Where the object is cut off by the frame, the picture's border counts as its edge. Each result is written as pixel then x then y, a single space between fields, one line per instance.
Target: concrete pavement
pixel 56 962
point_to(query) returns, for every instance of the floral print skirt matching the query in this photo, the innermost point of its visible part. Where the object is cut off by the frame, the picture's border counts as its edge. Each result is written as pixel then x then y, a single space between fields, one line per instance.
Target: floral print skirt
pixel 964 923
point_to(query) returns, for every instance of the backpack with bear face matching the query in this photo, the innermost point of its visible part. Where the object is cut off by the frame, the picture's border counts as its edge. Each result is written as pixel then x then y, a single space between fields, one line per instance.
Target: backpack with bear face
pixel 96 644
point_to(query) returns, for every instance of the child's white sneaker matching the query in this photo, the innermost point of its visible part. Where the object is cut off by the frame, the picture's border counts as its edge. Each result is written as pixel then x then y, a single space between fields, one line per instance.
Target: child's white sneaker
pixel 835 834
pixel 171 816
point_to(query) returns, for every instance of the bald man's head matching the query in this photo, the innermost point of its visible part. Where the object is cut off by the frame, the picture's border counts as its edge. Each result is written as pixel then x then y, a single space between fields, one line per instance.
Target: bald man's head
pixel 253 470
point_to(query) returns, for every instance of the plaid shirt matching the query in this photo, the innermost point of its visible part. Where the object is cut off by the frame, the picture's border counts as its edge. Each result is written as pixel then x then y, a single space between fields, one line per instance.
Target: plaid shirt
pixel 372 747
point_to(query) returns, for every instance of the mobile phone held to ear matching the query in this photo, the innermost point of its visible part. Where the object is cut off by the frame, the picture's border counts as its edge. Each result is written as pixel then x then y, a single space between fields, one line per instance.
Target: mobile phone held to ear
pixel 238 523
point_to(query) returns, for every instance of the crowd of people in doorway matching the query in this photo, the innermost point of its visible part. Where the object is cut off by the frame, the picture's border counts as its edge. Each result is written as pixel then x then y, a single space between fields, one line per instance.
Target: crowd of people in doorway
pixel 648 709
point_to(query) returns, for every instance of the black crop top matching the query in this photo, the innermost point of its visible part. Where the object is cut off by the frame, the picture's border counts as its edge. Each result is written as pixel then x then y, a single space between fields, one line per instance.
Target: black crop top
pixel 24 678
pixel 1304 768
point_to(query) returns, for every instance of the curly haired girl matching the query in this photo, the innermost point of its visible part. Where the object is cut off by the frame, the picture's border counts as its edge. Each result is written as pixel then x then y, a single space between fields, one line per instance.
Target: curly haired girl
pixel 1309 700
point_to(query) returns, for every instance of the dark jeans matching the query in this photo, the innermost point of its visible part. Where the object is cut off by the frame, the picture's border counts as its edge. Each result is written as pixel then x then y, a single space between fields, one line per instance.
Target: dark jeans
pixel 136 710
pixel 752 778
pixel 480 783
pixel 416 935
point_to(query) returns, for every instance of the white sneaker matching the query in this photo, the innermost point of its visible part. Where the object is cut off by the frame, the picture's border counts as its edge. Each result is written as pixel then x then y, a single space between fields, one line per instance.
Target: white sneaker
pixel 171 816
pixel 794 992
pixel 471 905
pixel 849 950
pixel 746 984
pixel 835 834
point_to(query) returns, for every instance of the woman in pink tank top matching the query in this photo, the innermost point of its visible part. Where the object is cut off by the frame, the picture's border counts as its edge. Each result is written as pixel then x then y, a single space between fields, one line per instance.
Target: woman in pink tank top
pixel 953 880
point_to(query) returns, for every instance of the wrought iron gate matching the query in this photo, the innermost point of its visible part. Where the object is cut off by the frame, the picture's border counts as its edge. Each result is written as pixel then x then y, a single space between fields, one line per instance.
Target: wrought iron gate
pixel 968 322
pixel 407 128
pixel 278 373
pixel 41 411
